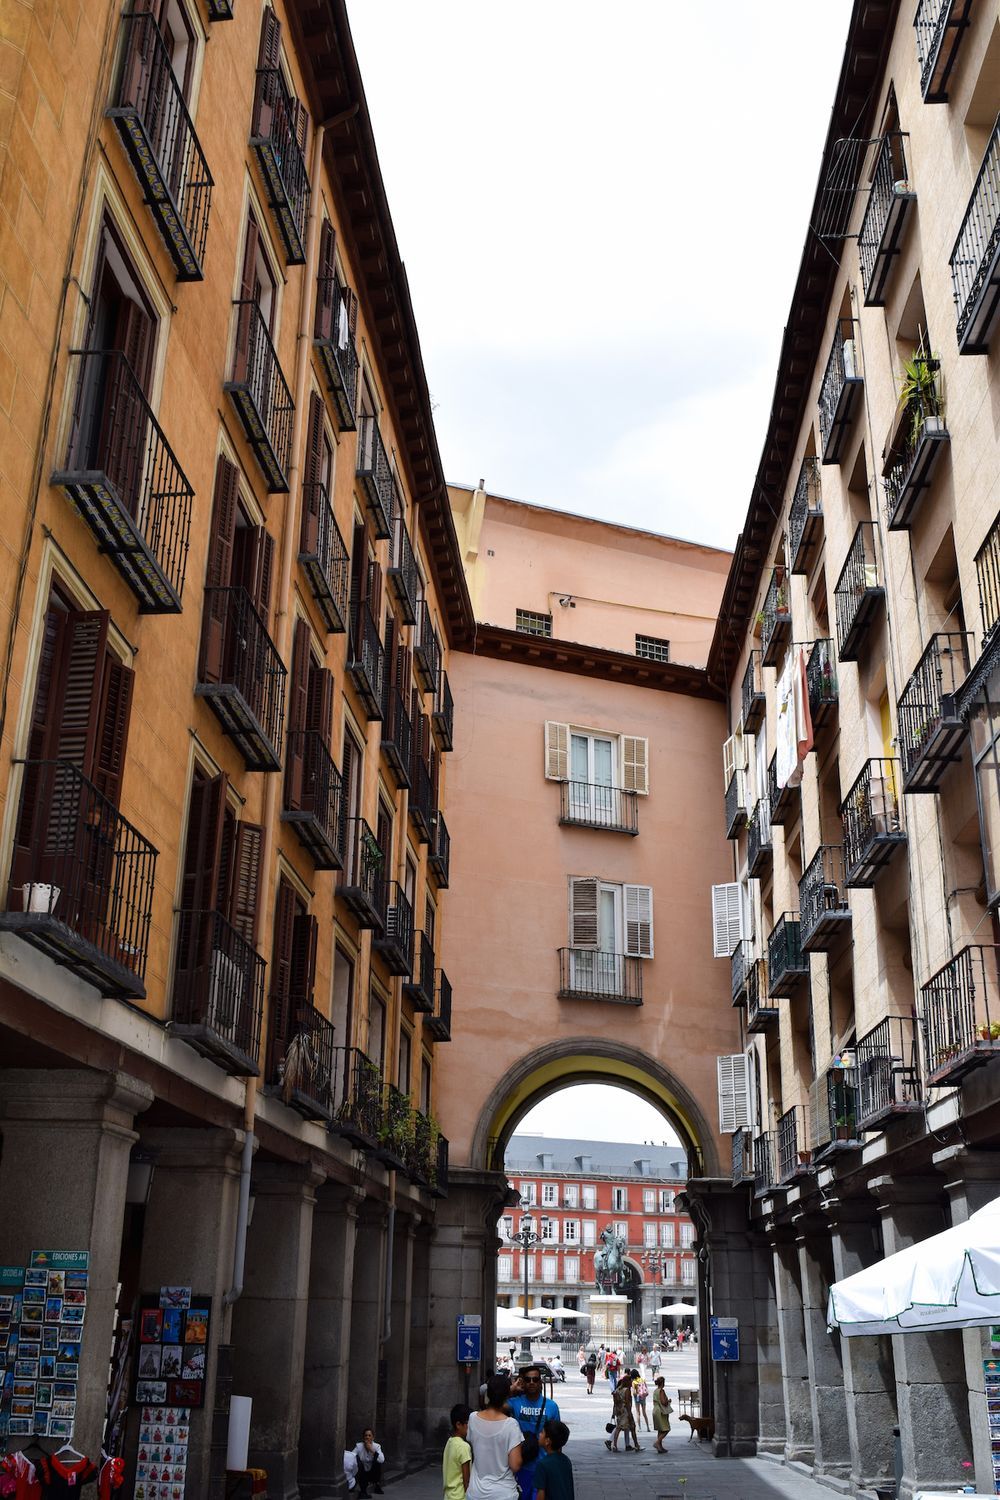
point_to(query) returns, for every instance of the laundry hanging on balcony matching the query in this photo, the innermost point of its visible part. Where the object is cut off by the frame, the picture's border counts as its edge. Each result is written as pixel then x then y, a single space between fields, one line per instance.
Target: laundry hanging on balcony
pixel 794 720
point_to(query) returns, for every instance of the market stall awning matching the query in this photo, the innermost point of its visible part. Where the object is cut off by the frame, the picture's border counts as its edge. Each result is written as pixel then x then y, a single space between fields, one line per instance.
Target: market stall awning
pixel 556 1312
pixel 676 1310
pixel 511 1325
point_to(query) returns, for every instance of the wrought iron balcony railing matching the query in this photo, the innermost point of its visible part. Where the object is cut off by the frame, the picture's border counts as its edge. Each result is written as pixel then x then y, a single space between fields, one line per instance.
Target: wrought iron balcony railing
pixel 375 473
pixel 300 1066
pixel 859 592
pixel 889 202
pixel 776 629
pixel 81 884
pixel 335 342
pixel 940 26
pixel 821 683
pixel 218 991
pixel 760 1012
pixel 759 847
pixel 397 736
pixel 421 1157
pixel 919 441
pixel 403 577
pixel 419 985
pixel 739 965
pixel 275 141
pixel 742 1157
pixel 443 714
pixel 961 1014
pixel 824 915
pixel 787 965
pixel 244 680
pixel 421 804
pixel 873 828
pixel 323 555
pixel 737 799
pixel 835 1112
pixel 260 396
pixel 589 804
pixel 764 1163
pixel 151 117
pixel 439 1180
pixel 426 650
pixel 439 855
pixel 752 700
pixel 975 260
pixel 313 802
pixel 931 729
pixel 439 1024
pixel 839 393
pixel 805 516
pixel 366 661
pixel 794 1158
pixel 363 880
pixel 888 1072
pixel 395 1136
pixel 123 478
pixel 394 941
pixel 988 579
pixel 357 1097
pixel 783 801
pixel 586 974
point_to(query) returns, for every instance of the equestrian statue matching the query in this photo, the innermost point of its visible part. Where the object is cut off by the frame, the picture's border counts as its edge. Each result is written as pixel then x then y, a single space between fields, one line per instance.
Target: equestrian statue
pixel 609 1263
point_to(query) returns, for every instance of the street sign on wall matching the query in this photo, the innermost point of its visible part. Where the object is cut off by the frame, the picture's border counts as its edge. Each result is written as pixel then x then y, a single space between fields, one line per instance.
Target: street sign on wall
pixel 725 1339
pixel 470 1338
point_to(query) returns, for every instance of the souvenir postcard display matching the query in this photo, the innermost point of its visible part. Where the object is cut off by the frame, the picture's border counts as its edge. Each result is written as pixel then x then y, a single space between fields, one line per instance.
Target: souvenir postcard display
pixel 42 1310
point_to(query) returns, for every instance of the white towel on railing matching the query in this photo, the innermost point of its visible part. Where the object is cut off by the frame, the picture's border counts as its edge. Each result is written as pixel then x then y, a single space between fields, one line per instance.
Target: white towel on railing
pixel 794 725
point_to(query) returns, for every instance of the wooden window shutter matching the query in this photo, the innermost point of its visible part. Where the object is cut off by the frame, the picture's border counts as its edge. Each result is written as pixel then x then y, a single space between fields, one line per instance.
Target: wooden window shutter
pixel 270 40
pixel 305 937
pixel 352 312
pixel 298 707
pixel 314 440
pixel 253 567
pixel 319 705
pixel 201 875
pixel 325 272
pixel 556 752
pixel 75 700
pixel 375 591
pixel 246 880
pixel 219 571
pixel 359 573
pixel 248 294
pixel 727 918
pixel 583 912
pixel 301 116
pixel 638 921
pixel 734 1105
pixel 281 967
pixel 113 722
pixel 635 764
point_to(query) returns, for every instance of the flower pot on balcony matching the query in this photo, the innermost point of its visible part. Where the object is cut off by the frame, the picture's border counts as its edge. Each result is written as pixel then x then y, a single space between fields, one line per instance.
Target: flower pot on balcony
pixel 39 896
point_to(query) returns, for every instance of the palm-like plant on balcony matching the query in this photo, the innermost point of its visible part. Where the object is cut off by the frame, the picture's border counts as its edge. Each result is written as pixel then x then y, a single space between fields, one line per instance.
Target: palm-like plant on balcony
pixel 921 392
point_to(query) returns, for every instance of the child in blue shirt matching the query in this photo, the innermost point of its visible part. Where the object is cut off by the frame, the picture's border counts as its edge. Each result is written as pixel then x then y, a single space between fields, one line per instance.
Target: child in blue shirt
pixel 553 1471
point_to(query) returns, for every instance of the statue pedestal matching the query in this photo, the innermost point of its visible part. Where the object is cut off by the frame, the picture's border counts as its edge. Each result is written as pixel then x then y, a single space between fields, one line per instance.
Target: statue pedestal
pixel 608 1318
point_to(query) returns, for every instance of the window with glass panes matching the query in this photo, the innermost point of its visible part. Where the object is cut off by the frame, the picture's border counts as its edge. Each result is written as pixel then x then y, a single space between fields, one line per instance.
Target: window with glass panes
pixel 571 1268
pixel 531 622
pixel 652 648
pixel 589 1196
pixel 589 1232
pixel 505 1267
pixel 550 1194
pixel 667 1236
pixel 649 1235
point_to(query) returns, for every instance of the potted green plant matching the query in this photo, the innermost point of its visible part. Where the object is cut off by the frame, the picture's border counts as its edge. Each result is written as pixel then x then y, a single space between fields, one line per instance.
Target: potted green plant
pixel 920 394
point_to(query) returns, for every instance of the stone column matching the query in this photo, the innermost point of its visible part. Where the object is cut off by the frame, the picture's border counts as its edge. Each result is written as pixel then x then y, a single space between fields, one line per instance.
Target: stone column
pixel 269 1320
pixel 826 1376
pixel 417 1446
pixel 931 1394
pixel 366 1322
pixel 869 1374
pixel 66 1136
pixel 771 1423
pixel 794 1357
pixel 323 1435
pixel 397 1349
pixel 188 1241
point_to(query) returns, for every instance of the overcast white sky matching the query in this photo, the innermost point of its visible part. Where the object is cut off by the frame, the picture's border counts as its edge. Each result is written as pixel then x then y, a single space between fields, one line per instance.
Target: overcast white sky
pixel 598 1112
pixel 601 218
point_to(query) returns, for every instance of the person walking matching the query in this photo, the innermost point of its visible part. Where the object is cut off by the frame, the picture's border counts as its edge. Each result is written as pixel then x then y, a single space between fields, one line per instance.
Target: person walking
pixel 640 1390
pixel 590 1372
pixel 655 1361
pixel 624 1422
pixel 531 1409
pixel 662 1407
pixel 456 1462
pixel 495 1440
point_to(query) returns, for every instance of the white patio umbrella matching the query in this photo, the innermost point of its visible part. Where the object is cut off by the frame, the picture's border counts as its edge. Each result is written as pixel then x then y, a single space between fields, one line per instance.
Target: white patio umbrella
pixel 951 1280
pixel 511 1325
pixel 676 1310
pixel 556 1312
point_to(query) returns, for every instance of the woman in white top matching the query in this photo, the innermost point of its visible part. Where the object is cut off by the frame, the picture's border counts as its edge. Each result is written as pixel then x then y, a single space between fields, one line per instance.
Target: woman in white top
pixel 495 1438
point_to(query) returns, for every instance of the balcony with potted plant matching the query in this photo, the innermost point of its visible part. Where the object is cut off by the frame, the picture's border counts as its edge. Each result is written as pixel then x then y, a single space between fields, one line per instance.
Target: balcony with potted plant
pixel 835 1110
pixel 787 965
pixel 794 1157
pixel 805 516
pixel 961 1014
pixel 888 1073
pixel 840 392
pixel 760 1012
pixel 873 828
pixel 917 442
pixel 824 913
pixel 821 683
pixel 859 593
pixel 776 618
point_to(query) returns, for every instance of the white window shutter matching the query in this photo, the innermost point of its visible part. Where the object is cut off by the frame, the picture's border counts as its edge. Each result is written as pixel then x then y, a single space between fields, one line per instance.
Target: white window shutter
pixel 734 1110
pixel 727 918
pixel 639 921
pixel 556 752
pixel 733 757
pixel 635 764
pixel 583 912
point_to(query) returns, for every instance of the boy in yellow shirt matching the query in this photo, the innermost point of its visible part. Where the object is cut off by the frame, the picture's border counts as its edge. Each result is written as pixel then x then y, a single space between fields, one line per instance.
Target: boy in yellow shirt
pixel 456 1465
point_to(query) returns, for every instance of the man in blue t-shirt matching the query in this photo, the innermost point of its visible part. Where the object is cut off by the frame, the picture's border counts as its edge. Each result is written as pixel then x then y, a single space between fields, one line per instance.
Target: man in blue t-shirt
pixel 532 1410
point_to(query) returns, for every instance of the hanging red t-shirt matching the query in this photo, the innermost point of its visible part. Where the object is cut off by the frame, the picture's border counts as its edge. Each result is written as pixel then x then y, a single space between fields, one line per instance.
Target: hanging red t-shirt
pixel 63 1481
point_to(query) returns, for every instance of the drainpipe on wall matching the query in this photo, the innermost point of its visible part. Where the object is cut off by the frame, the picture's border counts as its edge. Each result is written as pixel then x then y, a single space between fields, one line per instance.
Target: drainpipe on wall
pixel 243 1208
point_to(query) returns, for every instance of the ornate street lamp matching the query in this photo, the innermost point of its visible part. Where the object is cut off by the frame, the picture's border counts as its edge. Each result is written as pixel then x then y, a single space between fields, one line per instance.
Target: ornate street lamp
pixel 527 1237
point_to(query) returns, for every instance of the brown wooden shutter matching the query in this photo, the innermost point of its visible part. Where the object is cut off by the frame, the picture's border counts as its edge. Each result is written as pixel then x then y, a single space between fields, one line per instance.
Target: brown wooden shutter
pixel 218 574
pixel 200 879
pixel 312 498
pixel 74 708
pixel 253 567
pixel 323 328
pixel 301 122
pixel 583 923
pixel 359 574
pixel 319 708
pixel 305 938
pixel 298 694
pixel 113 721
pixel 352 312
pixel 281 972
pixel 270 40
pixel 374 594
pixel 246 880
pixel 134 337
pixel 245 319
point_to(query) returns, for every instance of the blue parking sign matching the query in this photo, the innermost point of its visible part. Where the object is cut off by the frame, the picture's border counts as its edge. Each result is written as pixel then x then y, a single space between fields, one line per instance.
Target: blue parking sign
pixel 470 1338
pixel 725 1339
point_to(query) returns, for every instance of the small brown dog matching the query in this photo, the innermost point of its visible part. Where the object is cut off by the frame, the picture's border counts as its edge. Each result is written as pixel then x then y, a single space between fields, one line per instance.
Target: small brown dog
pixel 703 1426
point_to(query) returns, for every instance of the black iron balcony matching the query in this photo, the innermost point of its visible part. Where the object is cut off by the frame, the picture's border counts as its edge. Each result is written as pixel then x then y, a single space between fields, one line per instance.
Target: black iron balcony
pixel 889 201
pixel 824 915
pixel 988 579
pixel 151 117
pixel 783 801
pixel 763 1163
pixel 300 1066
pixel 313 798
pixel 752 700
pixel 357 1097
pixel 443 714
pixel 397 736
pixel 760 1012
pixel 421 792
pixel 759 847
pixel 363 880
pixel 586 974
pixel 242 676
pixel 961 1014
pixel 931 729
pixel 403 577
pixel 218 992
pixel 421 1155
pixel 122 477
pixel 323 555
pixel 787 965
pixel 261 397
pixel 439 855
pixel 742 1157
pixel 776 624
pixel 835 1113
pixel 395 1133
pixel 439 1181
pixel 588 804
pixel 275 141
pixel 975 260
pixel 821 683
pixel 888 1072
pixel 366 661
pixel 739 964
pixel 840 392
pixel 81 885
pixel 794 1160
pixel 419 985
pixel 394 941
pixel 805 516
pixel 919 441
pixel 736 804
pixel 426 650
pixel 873 829
pixel 859 593
pixel 439 1024
pixel 375 473
pixel 335 343
pixel 940 26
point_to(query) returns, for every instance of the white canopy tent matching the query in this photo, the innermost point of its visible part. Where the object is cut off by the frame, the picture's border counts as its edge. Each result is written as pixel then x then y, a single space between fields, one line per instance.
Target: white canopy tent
pixel 556 1312
pixel 951 1280
pixel 512 1325
pixel 676 1310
